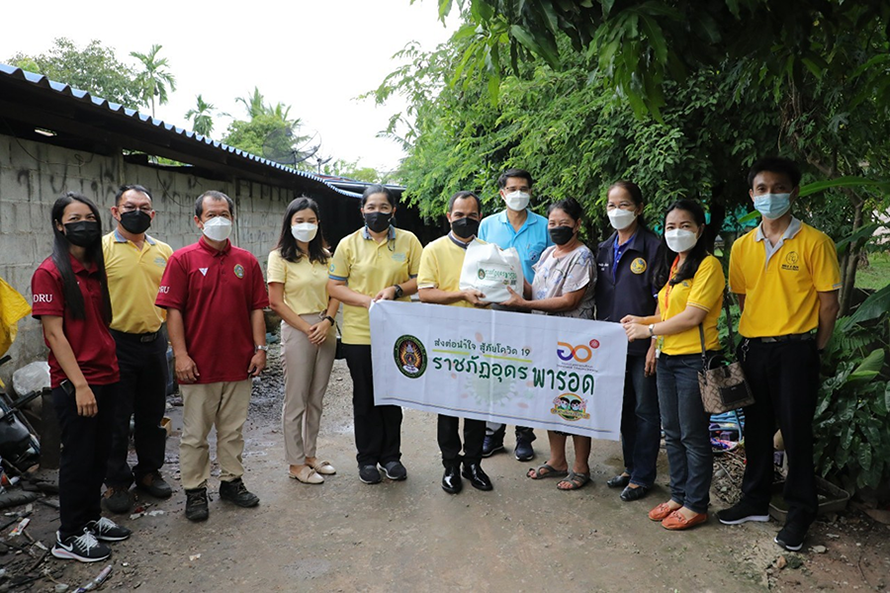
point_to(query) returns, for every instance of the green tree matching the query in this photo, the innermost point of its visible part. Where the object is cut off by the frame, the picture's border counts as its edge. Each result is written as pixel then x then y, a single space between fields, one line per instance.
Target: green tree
pixel 155 78
pixel 201 117
pixel 93 68
pixel 254 103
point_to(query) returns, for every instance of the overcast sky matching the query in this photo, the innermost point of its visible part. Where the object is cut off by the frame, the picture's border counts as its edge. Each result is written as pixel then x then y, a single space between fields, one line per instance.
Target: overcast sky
pixel 317 56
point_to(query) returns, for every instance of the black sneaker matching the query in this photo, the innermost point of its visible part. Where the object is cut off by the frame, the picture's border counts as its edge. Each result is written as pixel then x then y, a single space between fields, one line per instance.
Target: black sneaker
pixel 741 512
pixel 84 547
pixel 791 537
pixel 235 491
pixel 394 470
pixel 369 474
pixel 523 450
pixel 107 530
pixel 117 499
pixel 491 445
pixel 196 505
pixel 155 485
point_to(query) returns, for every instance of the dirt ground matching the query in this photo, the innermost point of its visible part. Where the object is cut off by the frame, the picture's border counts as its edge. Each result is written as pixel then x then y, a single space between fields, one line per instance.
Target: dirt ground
pixel 523 536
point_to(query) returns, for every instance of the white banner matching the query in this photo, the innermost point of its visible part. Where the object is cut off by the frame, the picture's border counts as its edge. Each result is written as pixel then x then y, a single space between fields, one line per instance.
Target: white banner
pixel 520 369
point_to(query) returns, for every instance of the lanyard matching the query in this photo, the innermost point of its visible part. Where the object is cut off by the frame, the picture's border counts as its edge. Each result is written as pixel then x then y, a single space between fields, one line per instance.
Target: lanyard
pixel 669 287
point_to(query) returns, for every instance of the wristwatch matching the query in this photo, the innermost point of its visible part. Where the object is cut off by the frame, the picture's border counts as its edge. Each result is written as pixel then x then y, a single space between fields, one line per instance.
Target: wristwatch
pixel 651 330
pixel 329 318
pixel 264 348
pixel 399 291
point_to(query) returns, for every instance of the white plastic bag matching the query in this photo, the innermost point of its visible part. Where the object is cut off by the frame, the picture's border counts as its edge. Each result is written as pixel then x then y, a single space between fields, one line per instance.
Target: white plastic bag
pixel 31 377
pixel 490 270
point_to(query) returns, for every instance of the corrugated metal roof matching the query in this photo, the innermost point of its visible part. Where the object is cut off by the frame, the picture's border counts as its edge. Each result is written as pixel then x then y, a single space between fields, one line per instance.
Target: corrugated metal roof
pixel 41 81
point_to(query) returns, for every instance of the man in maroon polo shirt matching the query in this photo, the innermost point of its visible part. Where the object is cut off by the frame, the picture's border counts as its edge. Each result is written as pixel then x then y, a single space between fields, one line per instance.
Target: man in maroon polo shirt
pixel 214 294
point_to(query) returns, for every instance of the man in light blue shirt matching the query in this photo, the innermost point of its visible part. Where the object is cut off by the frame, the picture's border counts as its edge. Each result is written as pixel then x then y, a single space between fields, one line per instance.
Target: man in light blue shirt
pixel 516 226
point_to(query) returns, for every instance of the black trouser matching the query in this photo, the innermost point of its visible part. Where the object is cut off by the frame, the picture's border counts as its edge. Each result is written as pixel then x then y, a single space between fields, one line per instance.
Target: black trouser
pixel 378 429
pixel 143 395
pixel 84 457
pixel 784 379
pixel 449 440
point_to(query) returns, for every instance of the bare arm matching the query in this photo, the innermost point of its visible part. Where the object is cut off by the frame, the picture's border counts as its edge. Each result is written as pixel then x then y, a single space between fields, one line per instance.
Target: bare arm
pixel 828 310
pixel 689 318
pixel 389 293
pixel 741 299
pixel 186 370
pixel 565 302
pixel 444 297
pixel 276 301
pixel 258 325
pixel 53 329
pixel 340 291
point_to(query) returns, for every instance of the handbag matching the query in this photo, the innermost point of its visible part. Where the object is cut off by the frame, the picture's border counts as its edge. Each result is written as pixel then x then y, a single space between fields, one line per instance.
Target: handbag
pixel 723 387
pixel 338 353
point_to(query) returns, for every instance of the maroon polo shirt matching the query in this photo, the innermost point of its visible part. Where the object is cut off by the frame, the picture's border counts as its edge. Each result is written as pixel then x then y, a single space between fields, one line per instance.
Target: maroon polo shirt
pixel 215 291
pixel 90 339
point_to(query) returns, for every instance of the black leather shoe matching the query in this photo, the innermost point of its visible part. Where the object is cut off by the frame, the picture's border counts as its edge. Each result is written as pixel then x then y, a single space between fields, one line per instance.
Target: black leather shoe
pixel 155 485
pixel 196 504
pixel 619 481
pixel 235 491
pixel 478 478
pixel 451 482
pixel 631 494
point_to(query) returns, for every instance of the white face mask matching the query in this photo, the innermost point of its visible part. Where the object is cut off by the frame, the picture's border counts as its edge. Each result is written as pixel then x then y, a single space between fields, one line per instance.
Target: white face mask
pixel 304 231
pixel 679 240
pixel 517 200
pixel 218 228
pixel 621 219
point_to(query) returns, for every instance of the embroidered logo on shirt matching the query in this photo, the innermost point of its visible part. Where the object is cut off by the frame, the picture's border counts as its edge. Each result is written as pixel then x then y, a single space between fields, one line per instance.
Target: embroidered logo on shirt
pixel 399 256
pixel 239 270
pixel 791 261
pixel 203 271
pixel 638 266
pixel 160 261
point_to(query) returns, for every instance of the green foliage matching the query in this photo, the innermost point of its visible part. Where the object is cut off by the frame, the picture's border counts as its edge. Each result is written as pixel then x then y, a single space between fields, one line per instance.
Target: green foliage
pixel 853 411
pixel 155 79
pixel 93 68
pixel 354 170
pixel 250 135
pixel 201 116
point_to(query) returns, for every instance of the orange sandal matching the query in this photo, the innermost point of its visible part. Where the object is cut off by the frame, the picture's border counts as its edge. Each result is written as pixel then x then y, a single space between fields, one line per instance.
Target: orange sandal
pixel 661 512
pixel 677 522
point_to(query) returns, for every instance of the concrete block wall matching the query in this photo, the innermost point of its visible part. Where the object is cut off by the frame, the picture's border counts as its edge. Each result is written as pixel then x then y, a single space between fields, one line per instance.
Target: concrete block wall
pixel 33 175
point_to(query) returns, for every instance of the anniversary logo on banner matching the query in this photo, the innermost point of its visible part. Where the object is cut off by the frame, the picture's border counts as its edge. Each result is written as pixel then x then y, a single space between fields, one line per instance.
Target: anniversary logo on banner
pixel 520 369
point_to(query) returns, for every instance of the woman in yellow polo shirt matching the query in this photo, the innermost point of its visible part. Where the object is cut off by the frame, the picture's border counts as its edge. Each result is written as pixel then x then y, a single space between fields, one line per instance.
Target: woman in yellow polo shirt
pixel 688 305
pixel 375 262
pixel 298 293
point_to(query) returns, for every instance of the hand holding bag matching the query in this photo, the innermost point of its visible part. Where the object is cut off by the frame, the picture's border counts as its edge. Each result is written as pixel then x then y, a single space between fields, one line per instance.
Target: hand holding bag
pixel 723 388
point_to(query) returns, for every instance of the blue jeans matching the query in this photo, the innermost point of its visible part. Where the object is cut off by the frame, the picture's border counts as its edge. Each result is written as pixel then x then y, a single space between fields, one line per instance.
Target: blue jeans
pixel 640 423
pixel 686 430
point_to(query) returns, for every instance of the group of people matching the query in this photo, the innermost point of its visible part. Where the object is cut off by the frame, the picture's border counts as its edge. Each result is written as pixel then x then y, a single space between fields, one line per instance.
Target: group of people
pixel 102 302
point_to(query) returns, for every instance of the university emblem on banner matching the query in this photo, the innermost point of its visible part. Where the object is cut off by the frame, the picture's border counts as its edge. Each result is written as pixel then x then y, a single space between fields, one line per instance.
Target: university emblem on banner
pixel 410 356
pixel 569 406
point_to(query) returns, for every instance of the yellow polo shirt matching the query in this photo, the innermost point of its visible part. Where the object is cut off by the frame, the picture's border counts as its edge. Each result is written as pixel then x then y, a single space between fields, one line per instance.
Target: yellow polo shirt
pixel 305 283
pixel 704 291
pixel 781 288
pixel 133 280
pixel 368 267
pixel 441 264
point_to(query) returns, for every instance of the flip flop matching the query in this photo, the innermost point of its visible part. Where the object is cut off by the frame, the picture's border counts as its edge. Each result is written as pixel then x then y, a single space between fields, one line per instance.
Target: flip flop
pixel 545 471
pixel 577 481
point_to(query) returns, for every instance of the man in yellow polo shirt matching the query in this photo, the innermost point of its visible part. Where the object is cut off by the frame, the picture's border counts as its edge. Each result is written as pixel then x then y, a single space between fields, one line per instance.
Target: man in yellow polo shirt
pixel 439 282
pixel 135 262
pixel 786 276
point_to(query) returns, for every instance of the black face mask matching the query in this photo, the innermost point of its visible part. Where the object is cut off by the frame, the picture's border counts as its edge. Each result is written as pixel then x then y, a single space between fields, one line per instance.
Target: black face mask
pixel 561 234
pixel 465 227
pixel 378 221
pixel 136 222
pixel 82 233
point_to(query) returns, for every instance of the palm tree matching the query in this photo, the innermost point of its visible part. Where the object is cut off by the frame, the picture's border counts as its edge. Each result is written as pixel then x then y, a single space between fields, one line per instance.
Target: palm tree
pixel 253 103
pixel 202 117
pixel 155 78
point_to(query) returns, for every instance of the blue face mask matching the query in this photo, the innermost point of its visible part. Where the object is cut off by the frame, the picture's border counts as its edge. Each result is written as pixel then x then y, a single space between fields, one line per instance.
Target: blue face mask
pixel 772 206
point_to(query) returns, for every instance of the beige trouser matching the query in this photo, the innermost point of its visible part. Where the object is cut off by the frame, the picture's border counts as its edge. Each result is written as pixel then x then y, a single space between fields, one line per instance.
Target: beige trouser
pixel 223 405
pixel 307 369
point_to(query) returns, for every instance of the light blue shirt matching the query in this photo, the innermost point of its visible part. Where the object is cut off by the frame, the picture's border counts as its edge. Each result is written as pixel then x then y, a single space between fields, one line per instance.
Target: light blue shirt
pixel 530 240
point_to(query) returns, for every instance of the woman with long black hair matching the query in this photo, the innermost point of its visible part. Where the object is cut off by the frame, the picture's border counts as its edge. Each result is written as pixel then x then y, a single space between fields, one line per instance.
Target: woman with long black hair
pixel 298 278
pixel 688 308
pixel 70 297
